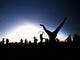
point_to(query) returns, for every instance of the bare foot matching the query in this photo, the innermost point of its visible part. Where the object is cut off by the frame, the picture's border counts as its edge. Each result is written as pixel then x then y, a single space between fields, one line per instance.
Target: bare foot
pixel 41 25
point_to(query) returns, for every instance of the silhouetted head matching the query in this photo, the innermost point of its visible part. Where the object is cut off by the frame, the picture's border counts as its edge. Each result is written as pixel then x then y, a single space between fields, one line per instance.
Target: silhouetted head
pixel 34 37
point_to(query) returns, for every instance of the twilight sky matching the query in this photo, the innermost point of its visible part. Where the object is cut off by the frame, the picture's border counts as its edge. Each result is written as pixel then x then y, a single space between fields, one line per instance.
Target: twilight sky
pixel 51 13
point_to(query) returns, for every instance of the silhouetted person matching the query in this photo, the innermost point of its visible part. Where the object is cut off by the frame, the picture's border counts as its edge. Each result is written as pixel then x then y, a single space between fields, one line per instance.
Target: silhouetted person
pixel 21 41
pixel 15 43
pixel 41 38
pixel 7 41
pixel 52 35
pixel 76 39
pixel 35 40
pixel 3 41
pixel 26 42
pixel 29 42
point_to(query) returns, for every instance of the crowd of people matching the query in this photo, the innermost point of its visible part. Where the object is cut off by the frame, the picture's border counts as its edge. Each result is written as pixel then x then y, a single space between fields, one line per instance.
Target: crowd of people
pixel 52 42
pixel 50 47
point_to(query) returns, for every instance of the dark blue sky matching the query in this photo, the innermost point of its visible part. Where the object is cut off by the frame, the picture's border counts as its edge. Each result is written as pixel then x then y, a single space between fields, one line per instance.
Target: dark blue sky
pixel 49 12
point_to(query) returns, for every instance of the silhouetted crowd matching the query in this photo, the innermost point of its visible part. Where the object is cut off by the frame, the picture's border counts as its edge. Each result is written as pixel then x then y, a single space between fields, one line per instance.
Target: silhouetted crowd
pixel 49 47
pixel 52 42
pixel 68 43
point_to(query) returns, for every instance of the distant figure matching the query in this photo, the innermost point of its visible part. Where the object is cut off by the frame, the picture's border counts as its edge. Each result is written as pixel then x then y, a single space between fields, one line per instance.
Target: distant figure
pixel 15 43
pixel 35 40
pixel 52 35
pixel 41 38
pixel 29 42
pixel 3 41
pixel 76 38
pixel 26 42
pixel 21 41
pixel 7 41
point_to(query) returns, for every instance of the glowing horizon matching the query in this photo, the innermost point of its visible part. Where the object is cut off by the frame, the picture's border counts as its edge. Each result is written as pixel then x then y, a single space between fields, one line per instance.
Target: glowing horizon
pixel 28 32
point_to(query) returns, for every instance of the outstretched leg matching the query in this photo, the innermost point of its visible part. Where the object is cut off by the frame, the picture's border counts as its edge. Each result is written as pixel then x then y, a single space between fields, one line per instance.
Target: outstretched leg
pixel 59 27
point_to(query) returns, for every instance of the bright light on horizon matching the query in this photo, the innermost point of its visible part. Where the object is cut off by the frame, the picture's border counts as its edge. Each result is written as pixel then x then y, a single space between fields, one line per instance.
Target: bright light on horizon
pixel 61 36
pixel 24 32
pixel 28 32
